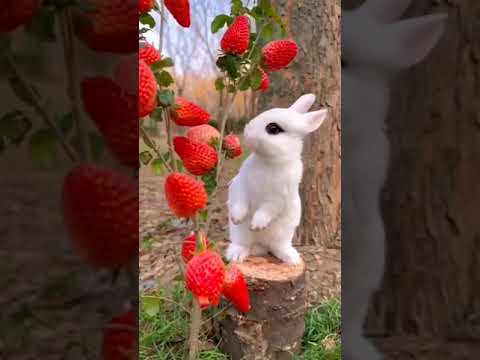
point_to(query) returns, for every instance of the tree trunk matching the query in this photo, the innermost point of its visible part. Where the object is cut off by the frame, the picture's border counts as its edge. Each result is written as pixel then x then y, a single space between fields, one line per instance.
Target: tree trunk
pixel 315 26
pixel 273 329
pixel 431 196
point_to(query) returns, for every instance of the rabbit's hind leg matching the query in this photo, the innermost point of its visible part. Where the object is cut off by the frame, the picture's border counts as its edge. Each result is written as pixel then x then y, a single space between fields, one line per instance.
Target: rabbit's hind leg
pixel 281 244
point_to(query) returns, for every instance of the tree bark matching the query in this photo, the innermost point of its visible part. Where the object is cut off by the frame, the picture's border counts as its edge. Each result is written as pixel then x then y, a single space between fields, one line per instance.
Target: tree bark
pixel 431 196
pixel 315 26
pixel 273 329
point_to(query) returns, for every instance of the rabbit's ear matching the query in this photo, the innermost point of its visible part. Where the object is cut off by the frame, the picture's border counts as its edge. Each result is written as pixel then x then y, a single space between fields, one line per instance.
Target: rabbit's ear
pixel 314 119
pixel 303 104
pixel 409 41
pixel 385 11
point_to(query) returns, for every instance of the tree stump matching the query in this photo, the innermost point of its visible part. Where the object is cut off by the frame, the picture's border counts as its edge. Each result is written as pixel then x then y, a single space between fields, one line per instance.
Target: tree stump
pixel 274 327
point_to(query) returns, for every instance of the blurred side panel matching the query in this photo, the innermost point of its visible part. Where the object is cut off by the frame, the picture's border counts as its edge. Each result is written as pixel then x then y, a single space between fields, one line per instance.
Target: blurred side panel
pixel 68 178
pixel 410 110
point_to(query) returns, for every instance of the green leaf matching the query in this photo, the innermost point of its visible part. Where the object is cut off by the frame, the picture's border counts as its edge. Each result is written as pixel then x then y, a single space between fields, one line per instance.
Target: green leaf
pixel 209 181
pixel 157 114
pixel 43 25
pixel 256 79
pixel 166 98
pixel 231 88
pixel 159 65
pixel 219 22
pixel 267 32
pixel 145 157
pixel 219 84
pixel 147 19
pixel 180 165
pixel 164 78
pixel 244 83
pixel 237 7
pixel 43 147
pixel 65 123
pixel 151 305
pixel 14 126
pixel 97 145
pixel 230 64
pixel 157 167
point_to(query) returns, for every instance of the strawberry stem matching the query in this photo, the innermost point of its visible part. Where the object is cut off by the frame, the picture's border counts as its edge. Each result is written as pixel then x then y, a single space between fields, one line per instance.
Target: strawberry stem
pixel 168 128
pixel 66 26
pixel 151 144
pixel 36 104
pixel 195 325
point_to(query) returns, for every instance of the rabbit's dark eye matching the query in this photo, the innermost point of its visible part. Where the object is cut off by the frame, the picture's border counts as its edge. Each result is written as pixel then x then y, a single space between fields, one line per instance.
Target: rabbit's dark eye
pixel 273 129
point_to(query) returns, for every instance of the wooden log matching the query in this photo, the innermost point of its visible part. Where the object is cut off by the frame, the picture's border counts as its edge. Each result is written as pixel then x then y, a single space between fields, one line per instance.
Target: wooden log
pixel 274 327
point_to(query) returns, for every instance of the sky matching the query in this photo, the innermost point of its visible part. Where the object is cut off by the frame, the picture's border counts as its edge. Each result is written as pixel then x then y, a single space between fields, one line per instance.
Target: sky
pixel 202 14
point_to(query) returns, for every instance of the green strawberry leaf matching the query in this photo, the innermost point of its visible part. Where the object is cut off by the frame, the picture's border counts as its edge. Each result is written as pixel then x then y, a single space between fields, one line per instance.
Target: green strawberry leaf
pixel 145 157
pixel 219 22
pixel 43 25
pixel 166 98
pixel 219 84
pixel 157 114
pixel 157 167
pixel 43 147
pixel 159 65
pixel 164 78
pixel 97 145
pixel 65 123
pixel 14 126
pixel 244 83
pixel 147 19
pixel 256 79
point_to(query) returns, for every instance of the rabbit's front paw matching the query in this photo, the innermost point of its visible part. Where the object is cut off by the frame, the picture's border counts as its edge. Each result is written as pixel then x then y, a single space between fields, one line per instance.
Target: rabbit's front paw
pixel 237 252
pixel 238 214
pixel 288 255
pixel 260 221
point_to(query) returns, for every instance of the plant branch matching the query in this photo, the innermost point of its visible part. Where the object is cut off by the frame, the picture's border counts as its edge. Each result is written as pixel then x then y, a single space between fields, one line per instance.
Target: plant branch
pixel 168 127
pixel 151 144
pixel 71 68
pixel 35 103
pixel 195 325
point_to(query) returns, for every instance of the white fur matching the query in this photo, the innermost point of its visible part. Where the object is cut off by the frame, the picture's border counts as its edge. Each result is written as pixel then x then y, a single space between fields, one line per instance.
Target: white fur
pixel 264 202
pixel 374 47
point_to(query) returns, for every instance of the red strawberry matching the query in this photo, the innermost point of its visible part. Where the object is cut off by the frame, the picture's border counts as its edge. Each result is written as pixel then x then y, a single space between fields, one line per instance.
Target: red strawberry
pixel 198 158
pixel 190 245
pixel 185 195
pixel 100 210
pixel 237 37
pixel 231 143
pixel 116 116
pixel 265 81
pixel 145 6
pixel 147 92
pixel 17 13
pixel 120 343
pixel 205 134
pixel 278 54
pixel 189 114
pixel 180 9
pixel 149 54
pixel 112 27
pixel 204 277
pixel 235 289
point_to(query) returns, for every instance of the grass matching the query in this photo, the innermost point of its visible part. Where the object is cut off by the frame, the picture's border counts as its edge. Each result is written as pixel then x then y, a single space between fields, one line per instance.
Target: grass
pixel 164 329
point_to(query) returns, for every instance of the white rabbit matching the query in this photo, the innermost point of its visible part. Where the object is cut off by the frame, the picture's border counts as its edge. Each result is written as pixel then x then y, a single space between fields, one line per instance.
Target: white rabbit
pixel 374 48
pixel 264 201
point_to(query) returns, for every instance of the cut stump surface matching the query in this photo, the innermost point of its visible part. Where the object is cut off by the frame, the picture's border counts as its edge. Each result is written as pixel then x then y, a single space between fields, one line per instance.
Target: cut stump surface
pixel 273 329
